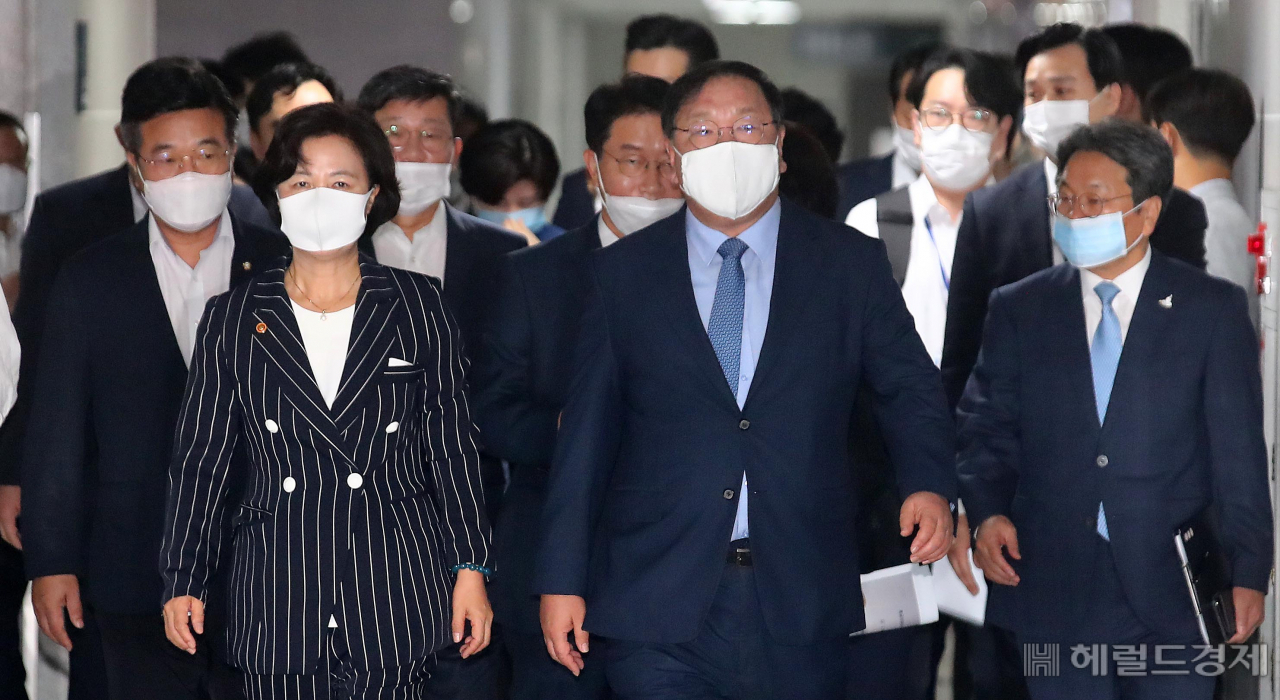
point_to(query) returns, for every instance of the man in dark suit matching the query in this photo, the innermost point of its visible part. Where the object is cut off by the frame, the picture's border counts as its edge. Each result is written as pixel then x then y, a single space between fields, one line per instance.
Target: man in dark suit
pixel 1115 400
pixel 863 179
pixel 700 507
pixel 1071 77
pixel 523 371
pixel 120 330
pixel 662 46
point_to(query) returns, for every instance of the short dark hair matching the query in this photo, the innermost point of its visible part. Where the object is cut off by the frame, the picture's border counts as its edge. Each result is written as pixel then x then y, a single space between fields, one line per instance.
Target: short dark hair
pixel 1212 109
pixel 1106 65
pixel 285 78
pixel 1138 148
pixel 472 116
pixel 1149 55
pixel 330 119
pixel 802 108
pixel 810 179
pixel 634 94
pixel 11 121
pixel 412 84
pixel 909 61
pixel 171 85
pixel 986 78
pixel 252 59
pixel 503 153
pixel 690 84
pixel 663 30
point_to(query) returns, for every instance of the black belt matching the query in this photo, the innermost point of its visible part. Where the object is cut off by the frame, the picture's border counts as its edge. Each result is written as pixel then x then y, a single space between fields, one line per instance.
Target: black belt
pixel 740 552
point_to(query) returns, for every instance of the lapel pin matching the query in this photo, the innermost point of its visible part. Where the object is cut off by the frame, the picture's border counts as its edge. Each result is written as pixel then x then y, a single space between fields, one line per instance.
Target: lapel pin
pixel 247 265
pixel 262 328
pixel 1167 302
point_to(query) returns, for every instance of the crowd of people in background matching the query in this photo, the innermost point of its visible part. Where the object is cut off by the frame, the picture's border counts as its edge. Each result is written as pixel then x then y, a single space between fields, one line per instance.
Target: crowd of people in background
pixel 315 398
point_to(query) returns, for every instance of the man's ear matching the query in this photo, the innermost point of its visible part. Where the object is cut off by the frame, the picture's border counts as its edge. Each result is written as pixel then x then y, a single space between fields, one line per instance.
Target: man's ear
pixel 782 136
pixel 1151 214
pixel 591 163
pixel 915 126
pixel 1001 143
pixel 457 151
pixel 1171 136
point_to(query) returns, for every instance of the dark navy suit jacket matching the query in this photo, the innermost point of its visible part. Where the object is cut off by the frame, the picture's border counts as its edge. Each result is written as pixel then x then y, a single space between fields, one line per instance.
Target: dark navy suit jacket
pixel 577 206
pixel 65 220
pixel 522 374
pixel 861 180
pixel 1183 431
pixel 1004 236
pixel 652 447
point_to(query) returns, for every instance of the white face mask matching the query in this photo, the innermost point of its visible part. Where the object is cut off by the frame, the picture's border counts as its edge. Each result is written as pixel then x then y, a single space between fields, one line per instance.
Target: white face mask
pixel 630 214
pixel 904 142
pixel 13 189
pixel 422 185
pixel 730 178
pixel 323 218
pixel 189 201
pixel 1049 122
pixel 955 158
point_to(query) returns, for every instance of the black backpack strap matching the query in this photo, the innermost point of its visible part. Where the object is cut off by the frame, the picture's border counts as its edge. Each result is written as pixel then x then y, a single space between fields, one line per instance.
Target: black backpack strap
pixel 893 216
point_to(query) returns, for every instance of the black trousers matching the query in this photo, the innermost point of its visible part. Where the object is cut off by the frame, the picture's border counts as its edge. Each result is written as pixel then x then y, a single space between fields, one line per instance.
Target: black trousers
pixel 733 657
pixel 890 665
pixel 481 676
pixel 142 663
pixel 536 676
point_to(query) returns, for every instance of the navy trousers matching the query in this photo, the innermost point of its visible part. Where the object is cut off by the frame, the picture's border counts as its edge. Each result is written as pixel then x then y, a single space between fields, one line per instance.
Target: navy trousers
pixel 733 657
pixel 1112 622
pixel 536 676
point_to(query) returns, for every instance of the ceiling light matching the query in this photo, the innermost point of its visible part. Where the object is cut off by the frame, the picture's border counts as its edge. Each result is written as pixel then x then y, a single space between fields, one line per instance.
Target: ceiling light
pixel 753 11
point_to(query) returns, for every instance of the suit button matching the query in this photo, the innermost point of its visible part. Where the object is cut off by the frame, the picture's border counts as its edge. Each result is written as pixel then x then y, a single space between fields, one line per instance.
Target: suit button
pixel 289 484
pixel 271 426
pixel 354 480
pixel 1103 461
pixel 728 494
pixel 393 426
pixel 744 424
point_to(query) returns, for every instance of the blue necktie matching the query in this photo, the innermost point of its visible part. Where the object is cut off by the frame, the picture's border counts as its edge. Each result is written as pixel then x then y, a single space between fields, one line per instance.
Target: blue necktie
pixel 1105 358
pixel 725 326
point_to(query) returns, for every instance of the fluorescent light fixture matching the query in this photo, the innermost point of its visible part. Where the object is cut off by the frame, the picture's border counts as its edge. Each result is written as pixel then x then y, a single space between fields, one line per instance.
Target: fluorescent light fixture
pixel 753 11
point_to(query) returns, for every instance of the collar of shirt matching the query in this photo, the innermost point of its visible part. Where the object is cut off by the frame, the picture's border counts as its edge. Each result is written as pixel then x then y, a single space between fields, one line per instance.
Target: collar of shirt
pixel 607 236
pixel 903 174
pixel 1051 176
pixel 425 253
pixel 139 204
pixel 1130 284
pixel 761 238
pixel 1217 188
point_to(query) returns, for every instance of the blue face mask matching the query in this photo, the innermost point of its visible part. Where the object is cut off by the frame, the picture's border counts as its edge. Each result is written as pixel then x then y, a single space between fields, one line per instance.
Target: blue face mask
pixel 1093 241
pixel 533 217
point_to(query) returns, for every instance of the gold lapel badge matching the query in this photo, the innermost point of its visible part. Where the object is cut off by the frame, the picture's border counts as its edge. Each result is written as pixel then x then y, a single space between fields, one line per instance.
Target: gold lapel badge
pixel 247 265
pixel 262 327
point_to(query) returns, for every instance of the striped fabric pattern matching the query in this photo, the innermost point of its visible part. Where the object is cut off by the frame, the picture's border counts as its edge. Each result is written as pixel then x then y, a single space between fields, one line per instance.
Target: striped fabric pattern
pixel 358 511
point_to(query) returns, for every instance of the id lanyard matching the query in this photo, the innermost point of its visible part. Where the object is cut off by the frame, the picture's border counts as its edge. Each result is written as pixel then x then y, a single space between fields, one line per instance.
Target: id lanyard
pixel 946 279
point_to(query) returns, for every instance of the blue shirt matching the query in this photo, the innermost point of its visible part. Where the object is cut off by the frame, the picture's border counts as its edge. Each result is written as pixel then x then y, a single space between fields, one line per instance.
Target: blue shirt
pixel 757 265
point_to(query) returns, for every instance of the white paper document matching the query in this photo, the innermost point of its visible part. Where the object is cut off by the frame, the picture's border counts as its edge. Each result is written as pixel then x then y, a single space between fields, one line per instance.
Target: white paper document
pixel 901 596
pixel 956 600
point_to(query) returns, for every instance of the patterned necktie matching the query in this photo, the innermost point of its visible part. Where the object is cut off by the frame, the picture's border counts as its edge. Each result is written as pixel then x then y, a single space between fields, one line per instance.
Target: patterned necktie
pixel 1105 358
pixel 725 326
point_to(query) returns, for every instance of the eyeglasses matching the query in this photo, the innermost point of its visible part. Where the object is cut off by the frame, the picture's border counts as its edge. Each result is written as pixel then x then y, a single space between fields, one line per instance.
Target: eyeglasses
pixel 208 161
pixel 707 133
pixel 633 166
pixel 1089 204
pixel 400 138
pixel 973 119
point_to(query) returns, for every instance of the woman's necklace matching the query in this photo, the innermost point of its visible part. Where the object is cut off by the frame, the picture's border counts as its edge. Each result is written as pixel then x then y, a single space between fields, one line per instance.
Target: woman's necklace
pixel 324 313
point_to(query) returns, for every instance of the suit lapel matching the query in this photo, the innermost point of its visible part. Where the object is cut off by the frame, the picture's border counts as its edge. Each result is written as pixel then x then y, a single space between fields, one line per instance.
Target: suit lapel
pixel 796 267
pixel 372 331
pixel 459 258
pixel 116 209
pixel 1142 342
pixel 1038 226
pixel 256 250
pixel 1068 338
pixel 151 304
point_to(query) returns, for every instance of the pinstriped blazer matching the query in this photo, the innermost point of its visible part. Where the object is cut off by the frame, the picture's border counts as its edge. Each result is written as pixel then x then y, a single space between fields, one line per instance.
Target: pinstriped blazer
pixel 358 511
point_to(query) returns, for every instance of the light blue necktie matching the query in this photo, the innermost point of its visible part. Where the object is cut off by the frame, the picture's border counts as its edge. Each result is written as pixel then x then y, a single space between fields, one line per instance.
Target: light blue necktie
pixel 725 331
pixel 1105 358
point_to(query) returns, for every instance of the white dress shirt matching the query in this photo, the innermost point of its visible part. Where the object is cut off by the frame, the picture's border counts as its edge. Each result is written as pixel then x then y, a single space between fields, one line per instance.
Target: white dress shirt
pixel 1130 284
pixel 1051 175
pixel 425 253
pixel 903 174
pixel 10 356
pixel 186 289
pixel 607 236
pixel 1226 238
pixel 924 288
pixel 11 245
pixel 326 338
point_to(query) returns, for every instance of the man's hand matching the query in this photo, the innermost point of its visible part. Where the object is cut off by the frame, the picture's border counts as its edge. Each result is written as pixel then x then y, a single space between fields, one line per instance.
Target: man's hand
pixel 177 613
pixel 471 604
pixel 958 555
pixel 562 614
pixel 10 509
pixel 933 514
pixel 1249 613
pixel 994 536
pixel 50 595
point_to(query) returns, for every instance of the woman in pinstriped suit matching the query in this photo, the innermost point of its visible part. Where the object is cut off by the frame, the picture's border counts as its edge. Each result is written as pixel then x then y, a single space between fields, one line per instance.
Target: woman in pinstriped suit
pixel 326 434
